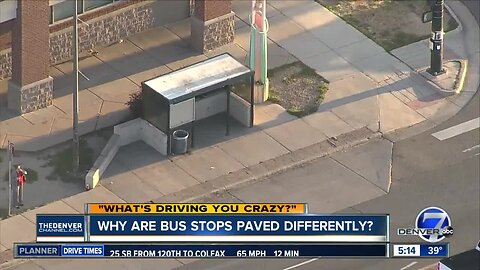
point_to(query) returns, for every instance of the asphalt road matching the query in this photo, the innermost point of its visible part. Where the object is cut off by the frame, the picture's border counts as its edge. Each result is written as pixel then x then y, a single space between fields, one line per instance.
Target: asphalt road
pixel 473 6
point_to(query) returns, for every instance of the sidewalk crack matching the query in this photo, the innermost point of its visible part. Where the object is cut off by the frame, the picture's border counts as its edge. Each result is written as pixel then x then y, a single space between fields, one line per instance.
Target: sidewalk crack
pixel 231 194
pixel 31 123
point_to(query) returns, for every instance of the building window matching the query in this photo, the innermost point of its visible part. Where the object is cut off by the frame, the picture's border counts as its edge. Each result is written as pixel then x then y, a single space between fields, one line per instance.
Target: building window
pixel 64 10
pixel 92 4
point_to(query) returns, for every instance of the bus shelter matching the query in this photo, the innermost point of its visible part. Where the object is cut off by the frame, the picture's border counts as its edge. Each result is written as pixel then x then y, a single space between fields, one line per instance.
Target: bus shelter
pixel 177 99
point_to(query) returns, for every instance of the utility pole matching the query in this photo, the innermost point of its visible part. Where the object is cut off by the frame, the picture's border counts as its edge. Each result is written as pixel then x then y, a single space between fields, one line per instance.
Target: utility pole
pixel 76 158
pixel 436 39
pixel 10 160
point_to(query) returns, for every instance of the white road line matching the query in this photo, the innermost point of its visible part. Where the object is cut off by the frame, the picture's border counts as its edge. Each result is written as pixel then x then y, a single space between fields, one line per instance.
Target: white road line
pixel 300 264
pixel 457 130
pixel 471 148
pixel 477 154
pixel 408 265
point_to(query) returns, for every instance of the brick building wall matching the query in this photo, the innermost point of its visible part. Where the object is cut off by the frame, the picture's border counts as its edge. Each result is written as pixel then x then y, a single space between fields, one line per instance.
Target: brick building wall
pixel 106 26
pixel 101 31
pixel 29 45
pixel 213 24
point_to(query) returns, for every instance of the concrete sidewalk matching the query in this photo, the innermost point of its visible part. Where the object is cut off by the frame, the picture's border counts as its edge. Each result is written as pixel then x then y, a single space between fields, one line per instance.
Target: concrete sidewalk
pixel 371 92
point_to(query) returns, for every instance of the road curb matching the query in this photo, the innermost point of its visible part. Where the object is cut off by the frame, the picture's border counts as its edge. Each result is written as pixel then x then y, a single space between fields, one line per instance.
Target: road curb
pixel 461 76
pixel 273 166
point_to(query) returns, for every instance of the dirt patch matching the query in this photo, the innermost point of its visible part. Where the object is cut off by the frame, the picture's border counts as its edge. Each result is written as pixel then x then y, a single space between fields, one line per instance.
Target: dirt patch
pixel 297 88
pixel 390 23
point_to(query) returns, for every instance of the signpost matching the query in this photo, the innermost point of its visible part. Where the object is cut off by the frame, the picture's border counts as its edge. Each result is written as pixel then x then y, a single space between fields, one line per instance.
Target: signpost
pixel 436 38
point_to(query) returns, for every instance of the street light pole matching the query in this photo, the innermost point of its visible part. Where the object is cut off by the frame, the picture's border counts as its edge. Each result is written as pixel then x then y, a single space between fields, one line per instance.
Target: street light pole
pixel 76 159
pixel 436 39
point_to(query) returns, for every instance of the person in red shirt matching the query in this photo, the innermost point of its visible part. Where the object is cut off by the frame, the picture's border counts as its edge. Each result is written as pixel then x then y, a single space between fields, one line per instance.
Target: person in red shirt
pixel 21 177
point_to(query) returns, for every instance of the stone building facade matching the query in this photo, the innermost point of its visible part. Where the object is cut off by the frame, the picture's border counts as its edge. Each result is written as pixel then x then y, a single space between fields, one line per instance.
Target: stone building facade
pixel 30 86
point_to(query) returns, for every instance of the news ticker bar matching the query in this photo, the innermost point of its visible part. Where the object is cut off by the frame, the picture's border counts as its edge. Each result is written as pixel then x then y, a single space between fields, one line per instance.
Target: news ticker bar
pixel 200 250
pixel 212 228
pixel 291 250
pixel 196 208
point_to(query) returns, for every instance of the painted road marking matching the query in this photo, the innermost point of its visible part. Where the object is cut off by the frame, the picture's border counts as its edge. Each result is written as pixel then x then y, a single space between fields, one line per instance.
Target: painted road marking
pixel 408 265
pixel 301 264
pixel 457 130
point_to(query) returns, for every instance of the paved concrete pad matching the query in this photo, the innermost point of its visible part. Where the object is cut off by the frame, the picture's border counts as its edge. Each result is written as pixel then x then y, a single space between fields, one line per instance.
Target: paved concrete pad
pixel 271 114
pixel 153 38
pixel 303 45
pixel 278 56
pixel 359 50
pixel 335 35
pixel 419 87
pixel 242 38
pixel 440 110
pixel 86 99
pixel 174 65
pixel 140 77
pixel 416 55
pixel 253 148
pixel 328 123
pixel 281 28
pixel 165 176
pixel 371 160
pixel 42 121
pixel 119 51
pixel 61 130
pixel 324 184
pixel 207 164
pixel 57 207
pixel 239 24
pixel 296 134
pixel 132 64
pixel 112 113
pixel 330 65
pixel 234 49
pixel 282 5
pixel 364 112
pixel 394 114
pixel 127 185
pixel 348 89
pixel 96 71
pixel 17 126
pixel 144 155
pixel 16 229
pixel 116 91
pixel 61 82
pixel 310 15
pixel 97 195
pixel 380 66
pixel 180 28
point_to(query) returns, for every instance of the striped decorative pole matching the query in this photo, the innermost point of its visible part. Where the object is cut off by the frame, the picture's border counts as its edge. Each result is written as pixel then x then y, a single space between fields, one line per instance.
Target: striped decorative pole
pixel 258 44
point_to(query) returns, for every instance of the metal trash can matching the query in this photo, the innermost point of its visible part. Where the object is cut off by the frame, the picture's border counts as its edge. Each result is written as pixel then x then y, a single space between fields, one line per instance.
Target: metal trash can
pixel 180 141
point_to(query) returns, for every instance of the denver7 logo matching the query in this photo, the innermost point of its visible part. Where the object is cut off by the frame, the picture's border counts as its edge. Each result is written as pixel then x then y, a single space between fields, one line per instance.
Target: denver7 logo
pixel 437 219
